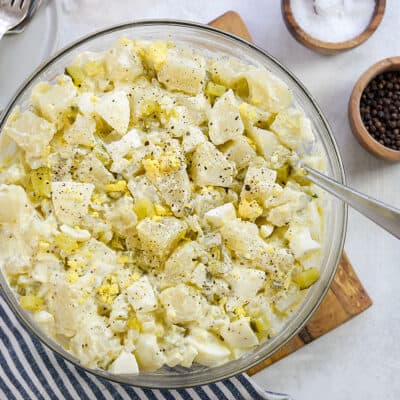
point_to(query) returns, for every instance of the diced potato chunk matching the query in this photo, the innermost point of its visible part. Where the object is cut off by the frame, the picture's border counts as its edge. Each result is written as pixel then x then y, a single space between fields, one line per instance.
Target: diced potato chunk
pixel 265 140
pixel 141 295
pixel 227 72
pixel 185 72
pixel 120 148
pixel 14 205
pixel 155 54
pixel 32 134
pixel 286 202
pixel 210 167
pixel 293 128
pixel 225 122
pixel 140 188
pixel 181 263
pixel 182 304
pixel 114 108
pixel 238 334
pixel 252 115
pixel 243 239
pixel 71 201
pixel 54 102
pixel 122 217
pixel 267 91
pixel 159 237
pixel 259 182
pixel 123 63
pixel 63 303
pixel 240 152
pixel 81 131
pixel 245 283
pixel 192 138
pixel 92 170
pixel 168 174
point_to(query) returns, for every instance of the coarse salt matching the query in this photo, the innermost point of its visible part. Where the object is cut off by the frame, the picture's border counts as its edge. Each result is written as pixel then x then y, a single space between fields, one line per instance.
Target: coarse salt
pixel 333 20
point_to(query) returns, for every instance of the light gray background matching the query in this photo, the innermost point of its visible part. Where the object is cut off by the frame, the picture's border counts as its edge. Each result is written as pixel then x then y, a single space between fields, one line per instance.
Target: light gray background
pixel 362 358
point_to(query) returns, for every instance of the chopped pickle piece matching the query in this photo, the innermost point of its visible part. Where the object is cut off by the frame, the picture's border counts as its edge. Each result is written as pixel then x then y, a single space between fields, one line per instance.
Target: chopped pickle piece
pixel 76 73
pixel 66 243
pixel 306 278
pixel 117 242
pixel 31 302
pixel 119 186
pixel 133 323
pixel 41 181
pixel 162 211
pixel 100 152
pixel 214 89
pixel 144 208
pixel 260 324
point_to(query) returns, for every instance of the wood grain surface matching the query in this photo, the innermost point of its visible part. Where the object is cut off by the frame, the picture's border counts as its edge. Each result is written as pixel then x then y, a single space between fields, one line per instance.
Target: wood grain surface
pixel 346 297
pixel 329 47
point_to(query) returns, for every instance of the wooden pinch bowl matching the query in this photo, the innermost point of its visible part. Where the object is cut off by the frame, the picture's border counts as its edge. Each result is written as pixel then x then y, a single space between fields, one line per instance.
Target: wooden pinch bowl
pixel 356 123
pixel 331 47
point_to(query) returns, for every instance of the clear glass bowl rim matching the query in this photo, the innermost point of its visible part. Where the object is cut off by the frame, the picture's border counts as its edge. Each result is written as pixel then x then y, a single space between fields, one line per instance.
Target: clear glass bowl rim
pixel 209 375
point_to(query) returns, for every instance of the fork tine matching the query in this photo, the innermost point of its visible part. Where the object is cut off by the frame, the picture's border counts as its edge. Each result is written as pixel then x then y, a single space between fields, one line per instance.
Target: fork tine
pixel 24 4
pixel 19 4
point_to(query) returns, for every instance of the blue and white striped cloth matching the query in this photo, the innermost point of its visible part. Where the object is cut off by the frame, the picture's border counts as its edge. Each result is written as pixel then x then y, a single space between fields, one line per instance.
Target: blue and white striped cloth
pixel 28 370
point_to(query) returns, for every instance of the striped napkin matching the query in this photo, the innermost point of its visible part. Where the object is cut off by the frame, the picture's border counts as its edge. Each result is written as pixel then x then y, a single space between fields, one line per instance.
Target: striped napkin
pixel 29 370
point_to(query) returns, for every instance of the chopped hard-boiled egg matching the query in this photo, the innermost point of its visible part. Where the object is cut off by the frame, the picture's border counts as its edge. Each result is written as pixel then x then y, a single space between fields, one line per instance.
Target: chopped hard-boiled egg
pixel 217 216
pixel 210 350
pixel 80 235
pixel 124 364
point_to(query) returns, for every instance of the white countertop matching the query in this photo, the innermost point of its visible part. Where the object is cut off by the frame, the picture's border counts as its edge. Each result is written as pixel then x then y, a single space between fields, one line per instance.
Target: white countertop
pixel 361 359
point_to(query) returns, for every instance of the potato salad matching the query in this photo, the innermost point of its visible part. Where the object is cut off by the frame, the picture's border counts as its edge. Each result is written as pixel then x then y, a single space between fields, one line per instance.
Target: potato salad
pixel 150 213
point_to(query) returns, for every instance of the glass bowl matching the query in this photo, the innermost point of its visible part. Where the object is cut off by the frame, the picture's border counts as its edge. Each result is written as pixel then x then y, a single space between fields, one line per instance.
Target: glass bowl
pixel 208 40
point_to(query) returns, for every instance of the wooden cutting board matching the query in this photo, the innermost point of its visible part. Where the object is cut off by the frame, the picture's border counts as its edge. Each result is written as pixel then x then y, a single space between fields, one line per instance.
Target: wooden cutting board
pixel 346 297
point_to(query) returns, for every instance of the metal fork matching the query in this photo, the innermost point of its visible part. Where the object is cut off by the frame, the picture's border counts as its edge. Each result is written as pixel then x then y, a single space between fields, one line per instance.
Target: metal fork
pixel 12 12
pixel 34 7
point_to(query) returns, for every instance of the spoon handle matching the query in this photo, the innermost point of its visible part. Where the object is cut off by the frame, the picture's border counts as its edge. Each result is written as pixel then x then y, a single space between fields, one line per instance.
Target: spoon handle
pixel 386 216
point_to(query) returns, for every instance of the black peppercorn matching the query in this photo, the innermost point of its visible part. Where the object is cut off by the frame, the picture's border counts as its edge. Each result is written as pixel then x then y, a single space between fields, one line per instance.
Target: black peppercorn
pixel 380 109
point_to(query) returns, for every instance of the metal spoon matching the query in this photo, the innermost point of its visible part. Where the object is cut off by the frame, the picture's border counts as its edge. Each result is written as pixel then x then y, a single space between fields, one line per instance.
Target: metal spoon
pixel 386 216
